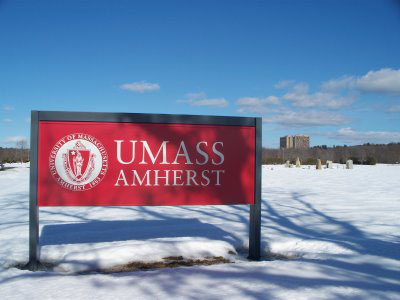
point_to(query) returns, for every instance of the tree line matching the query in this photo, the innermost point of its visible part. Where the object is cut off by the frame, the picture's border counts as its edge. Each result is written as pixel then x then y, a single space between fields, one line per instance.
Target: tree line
pixel 361 154
pixel 12 155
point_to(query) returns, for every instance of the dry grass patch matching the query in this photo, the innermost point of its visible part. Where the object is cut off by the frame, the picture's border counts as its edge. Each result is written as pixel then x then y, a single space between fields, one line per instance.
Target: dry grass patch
pixel 167 262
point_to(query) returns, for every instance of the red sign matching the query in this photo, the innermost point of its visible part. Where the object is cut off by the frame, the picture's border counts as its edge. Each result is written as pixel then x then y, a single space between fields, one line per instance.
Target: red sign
pixel 126 164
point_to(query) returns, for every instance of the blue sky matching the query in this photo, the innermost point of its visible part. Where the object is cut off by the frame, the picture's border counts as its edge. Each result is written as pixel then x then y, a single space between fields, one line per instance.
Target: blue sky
pixel 329 69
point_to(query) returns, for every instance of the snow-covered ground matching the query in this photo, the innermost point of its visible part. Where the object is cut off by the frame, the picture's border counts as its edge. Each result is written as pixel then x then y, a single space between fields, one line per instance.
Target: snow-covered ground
pixel 342 228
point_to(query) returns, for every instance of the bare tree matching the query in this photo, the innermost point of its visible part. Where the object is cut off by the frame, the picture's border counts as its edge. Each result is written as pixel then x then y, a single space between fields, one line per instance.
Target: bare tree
pixel 21 145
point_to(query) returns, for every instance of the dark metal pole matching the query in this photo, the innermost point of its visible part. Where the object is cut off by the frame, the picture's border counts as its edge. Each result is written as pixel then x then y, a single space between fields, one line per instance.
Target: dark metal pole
pixel 34 254
pixel 255 210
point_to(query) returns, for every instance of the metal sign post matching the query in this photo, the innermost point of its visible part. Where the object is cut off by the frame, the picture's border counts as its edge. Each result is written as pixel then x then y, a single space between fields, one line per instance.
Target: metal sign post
pixel 34 248
pixel 255 209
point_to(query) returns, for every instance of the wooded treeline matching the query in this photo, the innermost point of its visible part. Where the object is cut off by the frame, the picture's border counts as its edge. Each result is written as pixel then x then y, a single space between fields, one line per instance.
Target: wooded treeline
pixel 11 155
pixel 360 154
pixel 367 154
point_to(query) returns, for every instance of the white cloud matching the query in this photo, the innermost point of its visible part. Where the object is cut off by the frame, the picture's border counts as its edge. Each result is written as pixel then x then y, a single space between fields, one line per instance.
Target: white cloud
pixel 306 119
pixel 344 82
pixel 258 101
pixel 258 105
pixel 200 99
pixel 196 96
pixel 256 110
pixel 218 102
pixel 284 84
pixel 385 81
pixel 381 81
pixel 343 91
pixel 140 86
pixel 16 139
pixel 8 107
pixel 393 109
pixel 300 97
pixel 7 120
pixel 349 135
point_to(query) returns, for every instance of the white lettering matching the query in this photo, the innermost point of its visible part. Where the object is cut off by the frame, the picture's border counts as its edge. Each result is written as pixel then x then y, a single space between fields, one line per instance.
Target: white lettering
pixel 191 175
pixel 185 154
pixel 218 171
pixel 146 148
pixel 119 152
pixel 161 177
pixel 203 174
pixel 177 177
pixel 136 176
pixel 202 153
pixel 221 156
pixel 122 177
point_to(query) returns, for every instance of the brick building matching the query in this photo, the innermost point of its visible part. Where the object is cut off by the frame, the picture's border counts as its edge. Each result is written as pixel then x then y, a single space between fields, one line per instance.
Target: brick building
pixel 295 142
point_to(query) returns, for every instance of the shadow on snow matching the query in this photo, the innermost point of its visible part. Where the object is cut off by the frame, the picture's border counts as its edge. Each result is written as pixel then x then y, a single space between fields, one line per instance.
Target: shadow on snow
pixel 122 230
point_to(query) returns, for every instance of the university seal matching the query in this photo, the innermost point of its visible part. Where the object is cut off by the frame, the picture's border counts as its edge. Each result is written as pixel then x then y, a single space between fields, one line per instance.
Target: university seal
pixel 78 162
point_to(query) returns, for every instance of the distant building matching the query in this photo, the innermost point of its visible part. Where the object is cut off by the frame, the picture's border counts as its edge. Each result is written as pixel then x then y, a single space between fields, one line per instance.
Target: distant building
pixel 295 142
pixel 286 142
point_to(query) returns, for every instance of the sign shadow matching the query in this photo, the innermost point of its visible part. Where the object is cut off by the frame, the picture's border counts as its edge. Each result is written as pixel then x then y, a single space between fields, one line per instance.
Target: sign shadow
pixel 125 230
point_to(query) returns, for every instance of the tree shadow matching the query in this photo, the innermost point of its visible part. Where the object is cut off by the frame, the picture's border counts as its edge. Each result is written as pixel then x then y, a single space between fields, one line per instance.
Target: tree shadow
pixel 350 237
pixel 7 168
pixel 343 271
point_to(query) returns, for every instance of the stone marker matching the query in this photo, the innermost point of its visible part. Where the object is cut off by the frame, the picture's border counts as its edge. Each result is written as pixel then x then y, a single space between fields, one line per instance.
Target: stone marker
pixel 298 165
pixel 287 165
pixel 349 164
pixel 319 165
pixel 329 164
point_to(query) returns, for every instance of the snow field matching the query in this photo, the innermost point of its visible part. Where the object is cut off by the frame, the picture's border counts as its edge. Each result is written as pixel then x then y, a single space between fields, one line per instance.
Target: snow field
pixel 342 225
